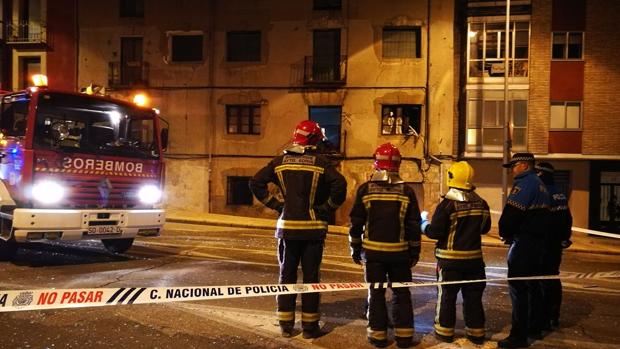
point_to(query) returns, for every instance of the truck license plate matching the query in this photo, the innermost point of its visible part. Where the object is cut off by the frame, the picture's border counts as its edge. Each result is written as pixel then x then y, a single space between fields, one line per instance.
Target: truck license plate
pixel 105 229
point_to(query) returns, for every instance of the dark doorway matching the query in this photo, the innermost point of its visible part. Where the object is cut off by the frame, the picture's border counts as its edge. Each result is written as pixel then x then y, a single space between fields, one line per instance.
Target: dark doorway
pixel 329 118
pixel 326 55
pixel 131 61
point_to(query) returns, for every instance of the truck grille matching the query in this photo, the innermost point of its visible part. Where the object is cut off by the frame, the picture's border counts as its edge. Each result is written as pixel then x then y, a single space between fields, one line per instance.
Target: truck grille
pixel 100 193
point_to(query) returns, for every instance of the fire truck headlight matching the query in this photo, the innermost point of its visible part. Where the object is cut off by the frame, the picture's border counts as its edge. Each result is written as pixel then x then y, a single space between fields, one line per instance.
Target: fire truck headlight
pixel 149 194
pixel 48 192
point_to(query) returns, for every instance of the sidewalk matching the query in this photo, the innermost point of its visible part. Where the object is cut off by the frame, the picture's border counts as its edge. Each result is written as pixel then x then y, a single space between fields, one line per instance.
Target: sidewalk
pixel 581 242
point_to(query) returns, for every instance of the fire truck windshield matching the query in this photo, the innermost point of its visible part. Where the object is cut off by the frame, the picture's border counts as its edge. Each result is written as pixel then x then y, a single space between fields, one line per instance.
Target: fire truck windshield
pixel 84 124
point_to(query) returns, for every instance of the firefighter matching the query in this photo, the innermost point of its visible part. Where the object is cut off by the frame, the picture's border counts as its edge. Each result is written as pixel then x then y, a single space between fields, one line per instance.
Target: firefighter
pixel 558 239
pixel 457 224
pixel 523 225
pixel 312 188
pixel 385 234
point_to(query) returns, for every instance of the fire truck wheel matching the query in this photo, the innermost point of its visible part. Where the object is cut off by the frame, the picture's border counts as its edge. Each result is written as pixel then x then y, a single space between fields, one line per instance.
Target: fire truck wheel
pixel 117 245
pixel 7 250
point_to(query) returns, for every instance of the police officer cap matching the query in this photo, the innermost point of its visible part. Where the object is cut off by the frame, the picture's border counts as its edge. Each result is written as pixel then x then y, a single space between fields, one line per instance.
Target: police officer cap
pixel 516 157
pixel 544 167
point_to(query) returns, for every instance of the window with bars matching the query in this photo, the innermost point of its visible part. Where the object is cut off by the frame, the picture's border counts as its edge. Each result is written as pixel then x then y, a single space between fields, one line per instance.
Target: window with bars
pixel 561 179
pixel 401 42
pixel 567 45
pixel 131 8
pixel 399 119
pixel 565 115
pixel 487 42
pixel 243 46
pixel 238 191
pixel 186 48
pixel 243 119
pixel 486 120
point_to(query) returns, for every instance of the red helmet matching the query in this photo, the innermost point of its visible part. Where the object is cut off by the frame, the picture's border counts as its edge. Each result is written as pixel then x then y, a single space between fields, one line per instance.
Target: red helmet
pixel 387 157
pixel 307 133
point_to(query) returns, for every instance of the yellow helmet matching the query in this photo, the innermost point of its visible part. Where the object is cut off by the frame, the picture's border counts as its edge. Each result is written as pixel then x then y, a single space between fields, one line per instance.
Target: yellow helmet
pixel 460 175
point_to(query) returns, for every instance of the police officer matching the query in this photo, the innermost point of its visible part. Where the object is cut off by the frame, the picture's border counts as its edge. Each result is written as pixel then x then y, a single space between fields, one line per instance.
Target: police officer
pixel 559 238
pixel 385 233
pixel 312 189
pixel 458 222
pixel 524 225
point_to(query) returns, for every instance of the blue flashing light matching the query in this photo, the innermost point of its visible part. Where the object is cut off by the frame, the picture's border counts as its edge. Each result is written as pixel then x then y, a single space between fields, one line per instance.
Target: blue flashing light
pixel 14 150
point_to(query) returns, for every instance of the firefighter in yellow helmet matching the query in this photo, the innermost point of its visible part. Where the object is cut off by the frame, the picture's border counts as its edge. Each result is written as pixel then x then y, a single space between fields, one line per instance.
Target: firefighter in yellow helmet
pixel 457 224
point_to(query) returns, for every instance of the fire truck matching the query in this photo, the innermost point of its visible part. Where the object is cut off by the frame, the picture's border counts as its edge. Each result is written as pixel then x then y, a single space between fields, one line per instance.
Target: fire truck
pixel 78 167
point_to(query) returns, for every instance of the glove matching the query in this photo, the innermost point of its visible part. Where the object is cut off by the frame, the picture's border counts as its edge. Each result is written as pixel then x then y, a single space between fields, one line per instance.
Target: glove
pixel 566 243
pixel 322 212
pixel 356 254
pixel 413 261
pixel 424 221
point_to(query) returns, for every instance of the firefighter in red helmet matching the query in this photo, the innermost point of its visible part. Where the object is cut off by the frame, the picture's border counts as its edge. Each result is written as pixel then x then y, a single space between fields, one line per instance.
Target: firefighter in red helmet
pixel 312 188
pixel 385 234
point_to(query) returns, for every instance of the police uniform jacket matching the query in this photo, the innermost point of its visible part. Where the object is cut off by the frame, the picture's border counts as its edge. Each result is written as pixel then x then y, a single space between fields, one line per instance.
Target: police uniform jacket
pixel 311 187
pixel 526 214
pixel 385 220
pixel 561 218
pixel 457 224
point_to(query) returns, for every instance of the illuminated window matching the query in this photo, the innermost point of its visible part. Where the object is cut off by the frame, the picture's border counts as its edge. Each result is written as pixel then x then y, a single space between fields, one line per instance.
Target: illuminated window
pixel 565 115
pixel 243 119
pixel 567 45
pixel 487 42
pixel 401 42
pixel 485 124
pixel 399 119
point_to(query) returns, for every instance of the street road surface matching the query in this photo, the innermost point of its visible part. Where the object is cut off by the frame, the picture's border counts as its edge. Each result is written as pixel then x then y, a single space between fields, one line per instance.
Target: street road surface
pixel 188 255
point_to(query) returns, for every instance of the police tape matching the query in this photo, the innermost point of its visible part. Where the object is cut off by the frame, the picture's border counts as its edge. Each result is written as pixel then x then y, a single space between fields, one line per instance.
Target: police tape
pixel 580 230
pixel 45 299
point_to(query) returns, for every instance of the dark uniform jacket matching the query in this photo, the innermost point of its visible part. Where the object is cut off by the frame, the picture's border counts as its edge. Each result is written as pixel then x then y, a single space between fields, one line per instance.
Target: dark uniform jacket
pixel 526 214
pixel 385 220
pixel 311 187
pixel 561 218
pixel 458 222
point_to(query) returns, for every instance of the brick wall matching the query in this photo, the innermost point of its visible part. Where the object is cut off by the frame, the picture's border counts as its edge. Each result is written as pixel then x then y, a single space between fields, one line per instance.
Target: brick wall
pixel 540 68
pixel 601 114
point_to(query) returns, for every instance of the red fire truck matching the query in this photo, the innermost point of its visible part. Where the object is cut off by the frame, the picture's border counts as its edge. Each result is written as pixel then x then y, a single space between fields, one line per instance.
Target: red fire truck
pixel 75 166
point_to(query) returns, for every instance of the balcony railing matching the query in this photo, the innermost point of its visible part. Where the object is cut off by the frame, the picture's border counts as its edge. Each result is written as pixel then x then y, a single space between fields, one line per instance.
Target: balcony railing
pixel 325 70
pixel 134 73
pixel 25 33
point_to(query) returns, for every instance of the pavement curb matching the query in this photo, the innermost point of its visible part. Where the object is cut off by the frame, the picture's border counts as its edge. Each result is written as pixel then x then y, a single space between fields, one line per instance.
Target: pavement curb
pixel 340 230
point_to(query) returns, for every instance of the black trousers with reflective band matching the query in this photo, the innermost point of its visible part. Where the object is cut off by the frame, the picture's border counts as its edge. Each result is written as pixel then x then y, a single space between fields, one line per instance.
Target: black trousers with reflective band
pixel 525 259
pixel 552 289
pixel 402 310
pixel 473 311
pixel 290 254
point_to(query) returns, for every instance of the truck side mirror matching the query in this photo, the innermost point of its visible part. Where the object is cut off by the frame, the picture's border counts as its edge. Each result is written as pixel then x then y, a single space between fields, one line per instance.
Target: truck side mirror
pixel 164 139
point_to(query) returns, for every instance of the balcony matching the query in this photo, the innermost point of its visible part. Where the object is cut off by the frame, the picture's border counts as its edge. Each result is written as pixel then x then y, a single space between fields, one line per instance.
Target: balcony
pixel 128 74
pixel 325 70
pixel 25 33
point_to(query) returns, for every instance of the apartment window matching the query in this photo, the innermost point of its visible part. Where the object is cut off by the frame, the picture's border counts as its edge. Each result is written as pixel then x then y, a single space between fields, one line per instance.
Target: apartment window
pixel 238 191
pixel 243 46
pixel 400 119
pixel 567 45
pixel 186 47
pixel 327 4
pixel 486 120
pixel 401 42
pixel 131 8
pixel 487 47
pixel 243 119
pixel 565 115
pixel 330 120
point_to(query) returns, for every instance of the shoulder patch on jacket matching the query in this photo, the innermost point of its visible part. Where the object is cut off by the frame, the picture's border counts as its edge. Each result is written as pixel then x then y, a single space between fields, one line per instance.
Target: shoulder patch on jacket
pixel 515 190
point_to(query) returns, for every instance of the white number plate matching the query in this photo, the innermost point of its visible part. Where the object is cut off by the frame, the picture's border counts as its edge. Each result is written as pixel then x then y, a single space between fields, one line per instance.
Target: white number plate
pixel 105 229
